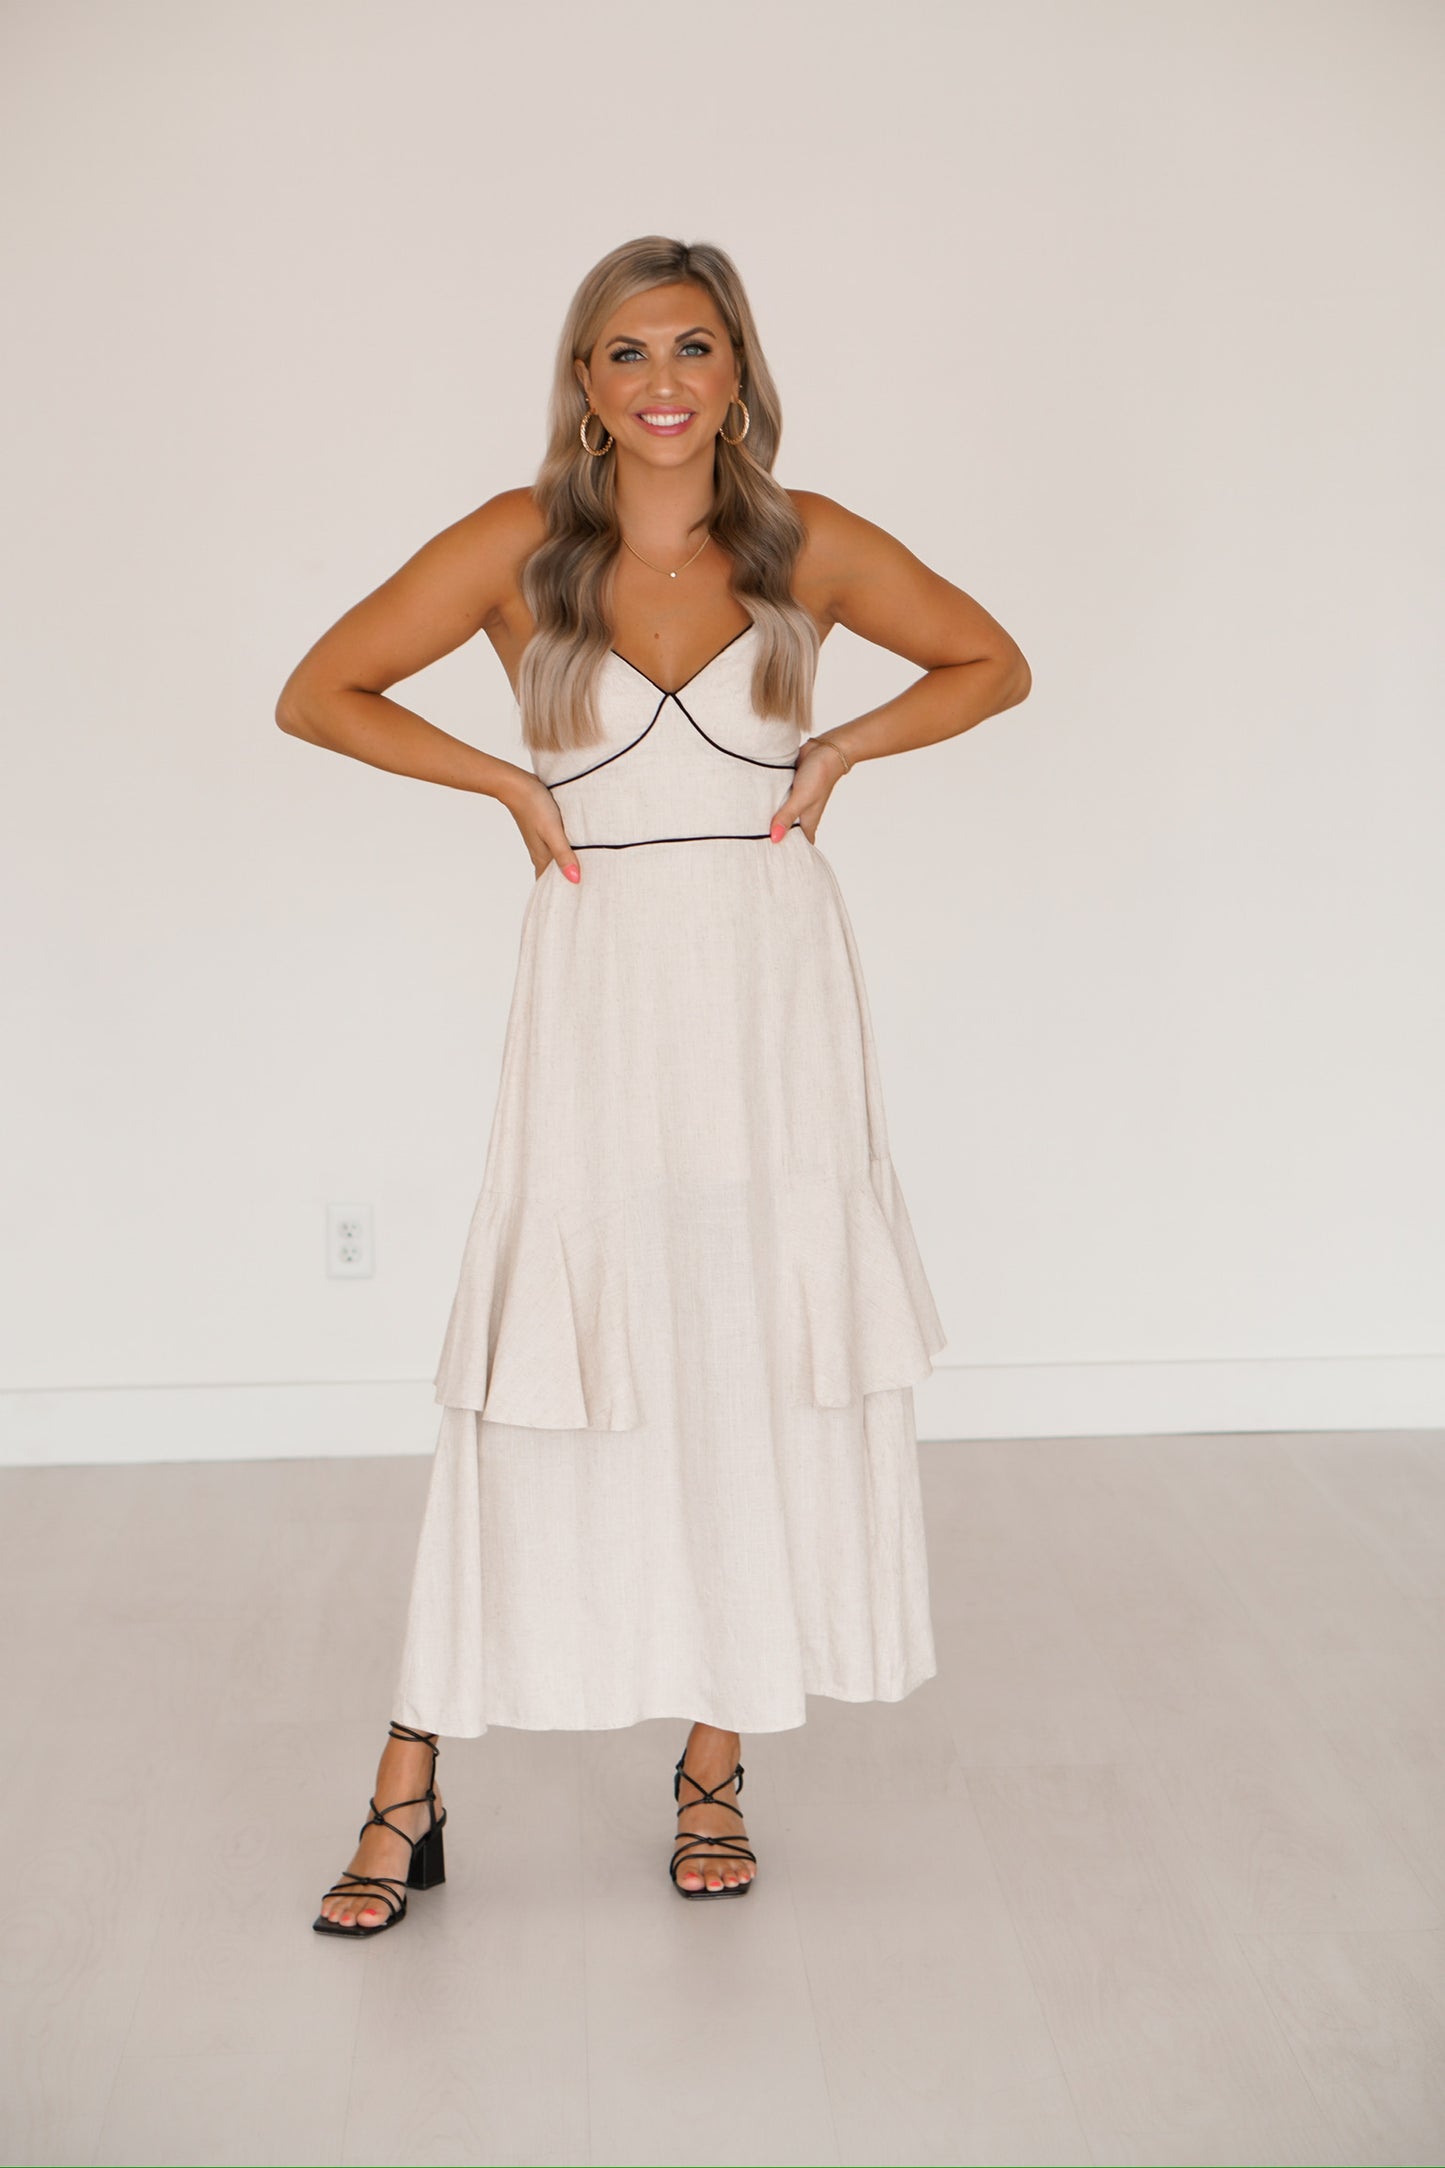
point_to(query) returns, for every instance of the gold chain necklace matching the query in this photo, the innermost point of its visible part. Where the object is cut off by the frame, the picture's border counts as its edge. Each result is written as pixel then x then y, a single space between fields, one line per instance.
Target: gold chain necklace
pixel 681 568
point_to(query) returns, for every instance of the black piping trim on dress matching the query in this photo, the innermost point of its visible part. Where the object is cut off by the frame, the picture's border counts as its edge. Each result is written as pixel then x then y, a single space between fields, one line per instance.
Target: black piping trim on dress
pixel 727 836
pixel 608 758
pixel 750 757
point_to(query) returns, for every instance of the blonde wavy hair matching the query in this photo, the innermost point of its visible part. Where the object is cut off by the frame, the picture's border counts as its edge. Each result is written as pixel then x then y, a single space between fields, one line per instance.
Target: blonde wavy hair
pixel 567 579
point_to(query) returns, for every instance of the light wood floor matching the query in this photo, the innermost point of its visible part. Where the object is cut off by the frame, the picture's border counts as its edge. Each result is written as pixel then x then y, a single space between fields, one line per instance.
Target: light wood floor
pixel 1153 1871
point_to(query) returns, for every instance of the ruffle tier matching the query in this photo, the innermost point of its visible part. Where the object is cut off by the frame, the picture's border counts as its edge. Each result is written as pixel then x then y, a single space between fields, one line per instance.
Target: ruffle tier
pixel 565 1314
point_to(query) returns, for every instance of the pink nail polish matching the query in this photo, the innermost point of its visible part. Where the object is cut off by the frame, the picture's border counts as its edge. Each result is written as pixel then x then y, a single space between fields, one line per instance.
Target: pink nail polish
pixel 573 873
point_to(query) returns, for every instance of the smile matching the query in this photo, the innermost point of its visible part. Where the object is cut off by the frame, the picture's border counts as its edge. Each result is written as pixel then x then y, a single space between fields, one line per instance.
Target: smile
pixel 665 421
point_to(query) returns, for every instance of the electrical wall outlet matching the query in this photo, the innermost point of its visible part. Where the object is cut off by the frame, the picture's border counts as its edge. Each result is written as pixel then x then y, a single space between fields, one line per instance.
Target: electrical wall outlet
pixel 350 1248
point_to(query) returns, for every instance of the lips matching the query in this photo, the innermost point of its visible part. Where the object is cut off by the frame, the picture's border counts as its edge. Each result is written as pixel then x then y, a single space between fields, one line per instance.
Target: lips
pixel 665 421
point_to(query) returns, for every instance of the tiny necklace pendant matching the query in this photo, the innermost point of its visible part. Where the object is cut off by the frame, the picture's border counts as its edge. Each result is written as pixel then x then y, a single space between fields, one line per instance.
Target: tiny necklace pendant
pixel 661 568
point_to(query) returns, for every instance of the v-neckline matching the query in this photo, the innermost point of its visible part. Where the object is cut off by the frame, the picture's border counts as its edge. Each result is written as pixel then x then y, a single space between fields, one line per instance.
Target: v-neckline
pixel 673 693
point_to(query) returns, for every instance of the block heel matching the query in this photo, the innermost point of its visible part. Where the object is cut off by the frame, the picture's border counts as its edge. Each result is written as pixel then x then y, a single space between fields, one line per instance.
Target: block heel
pixel 428 1861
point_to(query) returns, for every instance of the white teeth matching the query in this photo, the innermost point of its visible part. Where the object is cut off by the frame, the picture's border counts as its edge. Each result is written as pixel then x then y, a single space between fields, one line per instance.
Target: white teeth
pixel 665 421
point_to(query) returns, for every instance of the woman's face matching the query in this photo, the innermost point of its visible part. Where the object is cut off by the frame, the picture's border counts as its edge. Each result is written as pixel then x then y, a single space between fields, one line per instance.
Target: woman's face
pixel 662 375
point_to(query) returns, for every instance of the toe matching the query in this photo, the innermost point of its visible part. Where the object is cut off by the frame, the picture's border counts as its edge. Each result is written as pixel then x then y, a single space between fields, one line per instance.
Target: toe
pixel 356 1908
pixel 371 1907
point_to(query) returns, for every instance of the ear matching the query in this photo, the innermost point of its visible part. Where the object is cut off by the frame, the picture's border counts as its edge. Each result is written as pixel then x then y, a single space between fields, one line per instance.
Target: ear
pixel 579 369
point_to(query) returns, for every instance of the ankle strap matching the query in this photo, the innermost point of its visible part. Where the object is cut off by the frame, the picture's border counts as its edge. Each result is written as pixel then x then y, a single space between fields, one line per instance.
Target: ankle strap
pixel 705 1798
pixel 421 1738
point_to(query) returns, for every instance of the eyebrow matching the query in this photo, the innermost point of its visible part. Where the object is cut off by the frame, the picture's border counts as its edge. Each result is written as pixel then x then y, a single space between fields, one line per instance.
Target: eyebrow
pixel 622 338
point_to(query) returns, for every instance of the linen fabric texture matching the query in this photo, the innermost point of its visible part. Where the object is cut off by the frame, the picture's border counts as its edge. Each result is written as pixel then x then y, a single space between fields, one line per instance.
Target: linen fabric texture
pixel 677 1467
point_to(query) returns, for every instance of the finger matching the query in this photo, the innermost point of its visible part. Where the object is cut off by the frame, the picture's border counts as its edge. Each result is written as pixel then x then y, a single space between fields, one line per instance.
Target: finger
pixel 783 819
pixel 800 802
pixel 564 859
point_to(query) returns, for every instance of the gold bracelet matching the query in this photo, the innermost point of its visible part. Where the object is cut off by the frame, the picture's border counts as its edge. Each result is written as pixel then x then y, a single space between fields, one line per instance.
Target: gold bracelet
pixel 847 763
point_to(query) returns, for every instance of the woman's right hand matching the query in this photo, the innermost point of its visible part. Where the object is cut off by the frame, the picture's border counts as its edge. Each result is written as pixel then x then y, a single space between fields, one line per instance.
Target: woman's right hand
pixel 534 810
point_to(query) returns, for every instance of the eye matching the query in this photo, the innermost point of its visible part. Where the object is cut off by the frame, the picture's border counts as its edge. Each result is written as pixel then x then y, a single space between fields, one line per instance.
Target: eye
pixel 692 346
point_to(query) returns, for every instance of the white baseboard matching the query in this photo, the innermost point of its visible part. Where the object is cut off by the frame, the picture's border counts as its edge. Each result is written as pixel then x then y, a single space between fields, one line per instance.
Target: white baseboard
pixel 217 1422
pixel 1099 1400
pixel 85 1425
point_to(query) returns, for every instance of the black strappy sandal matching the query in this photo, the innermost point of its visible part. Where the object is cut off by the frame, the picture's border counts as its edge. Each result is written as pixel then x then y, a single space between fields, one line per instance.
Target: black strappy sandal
pixel 734 1847
pixel 427 1866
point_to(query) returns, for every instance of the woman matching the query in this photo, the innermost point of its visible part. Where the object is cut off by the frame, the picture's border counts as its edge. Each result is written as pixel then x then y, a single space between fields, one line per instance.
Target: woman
pixel 677 1468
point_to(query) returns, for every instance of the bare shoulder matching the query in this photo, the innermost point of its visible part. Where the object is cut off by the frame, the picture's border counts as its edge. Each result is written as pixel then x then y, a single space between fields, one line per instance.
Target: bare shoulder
pixel 855 573
pixel 513 512
pixel 498 538
pixel 840 543
pixel 821 516
pixel 461 581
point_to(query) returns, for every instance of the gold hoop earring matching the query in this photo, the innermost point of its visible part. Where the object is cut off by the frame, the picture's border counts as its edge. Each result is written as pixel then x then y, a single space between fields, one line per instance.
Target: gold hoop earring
pixel 747 422
pixel 603 449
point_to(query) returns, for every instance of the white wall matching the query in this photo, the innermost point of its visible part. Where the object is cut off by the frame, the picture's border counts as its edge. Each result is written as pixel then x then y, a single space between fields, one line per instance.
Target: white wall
pixel 1127 318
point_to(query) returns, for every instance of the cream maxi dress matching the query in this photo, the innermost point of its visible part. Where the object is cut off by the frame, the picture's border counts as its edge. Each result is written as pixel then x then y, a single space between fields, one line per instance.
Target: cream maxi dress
pixel 677 1469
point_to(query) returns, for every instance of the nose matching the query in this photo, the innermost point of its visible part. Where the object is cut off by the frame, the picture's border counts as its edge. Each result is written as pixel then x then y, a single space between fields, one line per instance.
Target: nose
pixel 662 383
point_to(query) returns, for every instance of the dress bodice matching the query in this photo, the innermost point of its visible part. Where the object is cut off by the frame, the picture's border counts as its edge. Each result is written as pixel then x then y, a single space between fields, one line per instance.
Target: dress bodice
pixel 697 763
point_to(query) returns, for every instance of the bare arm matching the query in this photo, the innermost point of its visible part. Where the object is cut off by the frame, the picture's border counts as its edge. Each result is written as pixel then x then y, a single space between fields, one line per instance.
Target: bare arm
pixel 857 575
pixel 450 589
pixel 863 578
pixel 454 586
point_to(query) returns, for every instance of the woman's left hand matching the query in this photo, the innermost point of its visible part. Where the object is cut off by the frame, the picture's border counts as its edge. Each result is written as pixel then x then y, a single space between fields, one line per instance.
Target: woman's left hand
pixel 819 768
